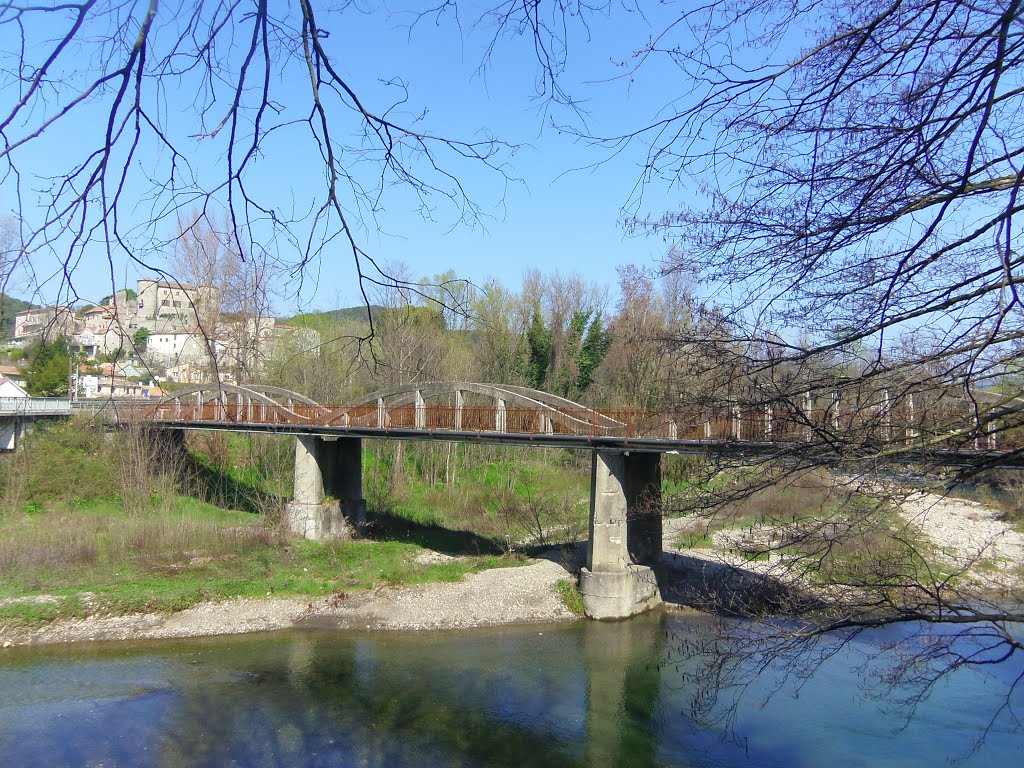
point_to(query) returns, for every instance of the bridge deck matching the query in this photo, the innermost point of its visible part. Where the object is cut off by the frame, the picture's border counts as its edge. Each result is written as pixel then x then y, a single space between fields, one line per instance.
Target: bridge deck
pixel 641 432
pixel 525 417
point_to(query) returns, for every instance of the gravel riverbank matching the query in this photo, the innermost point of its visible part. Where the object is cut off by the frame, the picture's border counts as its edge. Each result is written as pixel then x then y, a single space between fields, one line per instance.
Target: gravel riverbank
pixel 966 534
pixel 497 596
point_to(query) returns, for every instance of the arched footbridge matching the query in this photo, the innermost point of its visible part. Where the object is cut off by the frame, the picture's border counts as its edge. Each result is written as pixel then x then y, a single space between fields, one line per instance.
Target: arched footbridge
pixel 476 412
pixel 625 534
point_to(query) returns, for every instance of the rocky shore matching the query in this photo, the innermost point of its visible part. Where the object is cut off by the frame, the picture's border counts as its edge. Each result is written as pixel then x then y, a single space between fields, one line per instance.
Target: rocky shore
pixel 965 534
pixel 499 596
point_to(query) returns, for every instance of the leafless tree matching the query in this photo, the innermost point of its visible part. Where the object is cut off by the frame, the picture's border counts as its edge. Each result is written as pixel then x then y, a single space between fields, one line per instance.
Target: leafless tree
pixel 231 295
pixel 851 173
pixel 175 106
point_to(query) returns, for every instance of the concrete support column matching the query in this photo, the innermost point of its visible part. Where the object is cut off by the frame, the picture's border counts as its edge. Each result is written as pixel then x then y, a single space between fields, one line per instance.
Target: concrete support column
pixel 808 409
pixel 886 417
pixel 643 508
pixel 382 414
pixel 459 403
pixel 911 432
pixel 500 424
pixel 421 411
pixel 344 480
pixel 10 428
pixel 613 585
pixel 607 549
pixel 167 444
pixel 309 479
pixel 328 495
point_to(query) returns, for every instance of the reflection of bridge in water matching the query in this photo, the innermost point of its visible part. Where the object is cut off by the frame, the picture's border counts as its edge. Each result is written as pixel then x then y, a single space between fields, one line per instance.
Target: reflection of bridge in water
pixel 625 540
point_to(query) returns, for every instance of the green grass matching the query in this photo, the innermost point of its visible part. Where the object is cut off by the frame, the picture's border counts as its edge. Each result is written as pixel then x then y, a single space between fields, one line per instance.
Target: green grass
pixel 695 541
pixel 571 596
pixel 500 496
pixel 194 552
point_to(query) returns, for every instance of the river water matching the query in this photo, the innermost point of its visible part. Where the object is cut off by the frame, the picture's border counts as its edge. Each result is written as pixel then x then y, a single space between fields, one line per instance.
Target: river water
pixel 584 694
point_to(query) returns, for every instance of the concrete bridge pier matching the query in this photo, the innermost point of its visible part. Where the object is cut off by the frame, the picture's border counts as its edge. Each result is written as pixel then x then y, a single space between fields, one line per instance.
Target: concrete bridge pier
pixel 328 497
pixel 625 535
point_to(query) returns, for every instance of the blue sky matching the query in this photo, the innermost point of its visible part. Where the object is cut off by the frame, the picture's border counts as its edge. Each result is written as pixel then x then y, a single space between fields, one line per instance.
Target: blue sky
pixel 555 218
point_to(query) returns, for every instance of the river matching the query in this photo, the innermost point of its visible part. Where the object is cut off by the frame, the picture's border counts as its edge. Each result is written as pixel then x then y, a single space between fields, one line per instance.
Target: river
pixel 583 694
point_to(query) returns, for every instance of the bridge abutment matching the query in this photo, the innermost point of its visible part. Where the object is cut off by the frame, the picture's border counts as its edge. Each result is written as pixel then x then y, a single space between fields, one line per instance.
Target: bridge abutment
pixel 625 535
pixel 328 490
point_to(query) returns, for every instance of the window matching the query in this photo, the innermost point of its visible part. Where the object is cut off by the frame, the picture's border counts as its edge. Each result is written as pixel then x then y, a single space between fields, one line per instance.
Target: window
pixel 165 303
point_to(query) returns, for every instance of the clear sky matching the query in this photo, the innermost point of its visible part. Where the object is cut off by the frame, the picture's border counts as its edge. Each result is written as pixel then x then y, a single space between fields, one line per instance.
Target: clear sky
pixel 562 212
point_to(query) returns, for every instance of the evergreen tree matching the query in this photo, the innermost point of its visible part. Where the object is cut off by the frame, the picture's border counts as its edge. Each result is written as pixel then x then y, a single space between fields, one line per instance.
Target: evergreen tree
pixel 538 340
pixel 595 347
pixel 568 369
pixel 48 369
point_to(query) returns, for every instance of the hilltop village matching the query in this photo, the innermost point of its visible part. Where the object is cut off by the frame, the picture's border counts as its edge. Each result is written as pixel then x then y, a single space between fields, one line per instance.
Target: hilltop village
pixel 161 331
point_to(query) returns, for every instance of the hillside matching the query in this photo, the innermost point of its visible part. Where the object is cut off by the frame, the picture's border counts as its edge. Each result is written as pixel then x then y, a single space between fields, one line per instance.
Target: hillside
pixel 345 314
pixel 9 307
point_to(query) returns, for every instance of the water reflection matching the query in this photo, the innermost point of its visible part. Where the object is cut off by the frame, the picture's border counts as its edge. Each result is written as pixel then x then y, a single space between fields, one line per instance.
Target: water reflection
pixel 584 695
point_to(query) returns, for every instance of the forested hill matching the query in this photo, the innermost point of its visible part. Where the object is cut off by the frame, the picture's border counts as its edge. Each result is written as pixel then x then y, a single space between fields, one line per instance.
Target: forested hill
pixel 357 314
pixel 9 307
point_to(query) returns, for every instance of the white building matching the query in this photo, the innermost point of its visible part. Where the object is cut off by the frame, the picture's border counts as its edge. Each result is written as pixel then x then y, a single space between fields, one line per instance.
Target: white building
pixel 9 427
pixel 174 347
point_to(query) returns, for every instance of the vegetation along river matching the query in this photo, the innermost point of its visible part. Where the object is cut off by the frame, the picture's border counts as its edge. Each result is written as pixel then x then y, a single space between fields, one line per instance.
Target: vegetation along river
pixel 635 693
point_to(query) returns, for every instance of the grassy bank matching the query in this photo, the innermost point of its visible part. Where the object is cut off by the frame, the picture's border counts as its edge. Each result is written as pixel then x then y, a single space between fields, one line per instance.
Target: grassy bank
pixel 95 559
pixel 88 526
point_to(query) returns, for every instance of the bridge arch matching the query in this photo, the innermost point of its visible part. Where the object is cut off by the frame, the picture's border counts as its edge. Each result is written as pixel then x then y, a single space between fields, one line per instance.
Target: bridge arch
pixel 505 408
pixel 234 402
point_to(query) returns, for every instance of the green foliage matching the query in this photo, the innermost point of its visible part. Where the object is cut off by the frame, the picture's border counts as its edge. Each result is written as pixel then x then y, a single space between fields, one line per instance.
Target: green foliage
pixel 593 352
pixel 194 552
pixel 565 385
pixel 571 596
pixel 320 320
pixel 9 307
pixel 129 294
pixel 60 462
pixel 48 369
pixel 538 341
pixel 140 339
pixel 586 344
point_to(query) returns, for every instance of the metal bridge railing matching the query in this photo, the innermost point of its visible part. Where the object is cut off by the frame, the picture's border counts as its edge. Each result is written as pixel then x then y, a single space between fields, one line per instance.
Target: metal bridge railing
pixel 44 406
pixel 730 425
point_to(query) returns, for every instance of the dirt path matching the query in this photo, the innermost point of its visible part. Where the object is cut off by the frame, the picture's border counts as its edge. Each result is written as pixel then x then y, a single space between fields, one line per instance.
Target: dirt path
pixel 497 596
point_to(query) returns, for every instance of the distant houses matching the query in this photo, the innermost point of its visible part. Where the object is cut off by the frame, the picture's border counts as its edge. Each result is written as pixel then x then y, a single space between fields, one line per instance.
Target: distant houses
pixel 169 331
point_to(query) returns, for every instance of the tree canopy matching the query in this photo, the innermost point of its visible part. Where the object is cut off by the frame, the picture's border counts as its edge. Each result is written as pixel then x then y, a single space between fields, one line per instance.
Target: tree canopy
pixel 49 369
